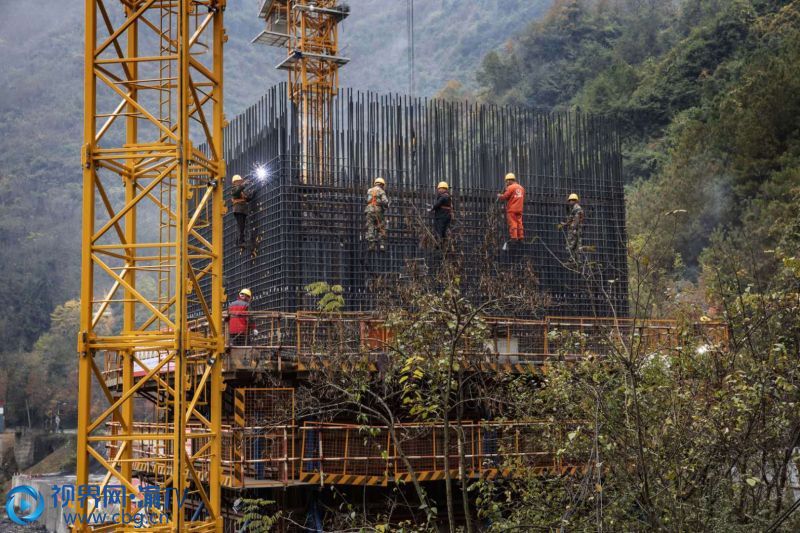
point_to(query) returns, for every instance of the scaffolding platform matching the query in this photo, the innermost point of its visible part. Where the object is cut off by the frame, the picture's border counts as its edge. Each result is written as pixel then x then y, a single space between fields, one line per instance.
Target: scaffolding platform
pixel 317 453
pixel 271 38
pixel 306 342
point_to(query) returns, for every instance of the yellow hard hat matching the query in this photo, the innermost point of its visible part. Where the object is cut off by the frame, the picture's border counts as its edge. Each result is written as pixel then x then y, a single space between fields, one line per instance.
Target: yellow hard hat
pixel 443 185
pixel 510 176
pixel 573 196
pixel 380 181
pixel 236 178
pixel 246 292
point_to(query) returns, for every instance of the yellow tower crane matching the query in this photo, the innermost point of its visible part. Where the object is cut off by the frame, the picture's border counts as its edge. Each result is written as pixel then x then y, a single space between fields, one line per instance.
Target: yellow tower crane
pixel 309 30
pixel 150 379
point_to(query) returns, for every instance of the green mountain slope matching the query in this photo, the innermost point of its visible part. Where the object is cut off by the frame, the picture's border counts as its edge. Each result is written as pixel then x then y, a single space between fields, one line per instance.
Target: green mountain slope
pixel 706 94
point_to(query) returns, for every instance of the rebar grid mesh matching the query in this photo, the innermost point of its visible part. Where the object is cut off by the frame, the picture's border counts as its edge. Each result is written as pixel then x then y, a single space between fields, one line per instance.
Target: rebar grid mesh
pixel 307 222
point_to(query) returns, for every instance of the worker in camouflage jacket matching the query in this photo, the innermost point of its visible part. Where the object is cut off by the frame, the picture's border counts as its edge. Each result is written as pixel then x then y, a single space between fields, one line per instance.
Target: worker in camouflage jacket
pixel 377 203
pixel 574 226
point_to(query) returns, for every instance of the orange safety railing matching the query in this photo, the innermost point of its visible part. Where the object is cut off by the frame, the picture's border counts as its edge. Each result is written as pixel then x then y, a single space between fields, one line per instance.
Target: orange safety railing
pixel 263 435
pixel 349 453
pixel 154 456
pixel 249 457
pixel 258 455
pixel 309 335
pixel 333 453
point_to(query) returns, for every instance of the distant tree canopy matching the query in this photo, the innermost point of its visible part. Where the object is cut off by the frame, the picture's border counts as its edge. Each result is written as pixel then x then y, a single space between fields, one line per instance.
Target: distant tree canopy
pixel 705 93
pixel 40 269
pixel 41 381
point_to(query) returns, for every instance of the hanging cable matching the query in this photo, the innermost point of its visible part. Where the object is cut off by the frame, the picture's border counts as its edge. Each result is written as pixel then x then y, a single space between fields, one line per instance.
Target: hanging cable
pixel 410 37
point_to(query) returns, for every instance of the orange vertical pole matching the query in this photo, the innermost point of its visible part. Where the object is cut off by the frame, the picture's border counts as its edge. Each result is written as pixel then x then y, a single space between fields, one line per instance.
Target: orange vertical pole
pixel 545 340
pixel 434 448
pixel 388 455
pixel 346 449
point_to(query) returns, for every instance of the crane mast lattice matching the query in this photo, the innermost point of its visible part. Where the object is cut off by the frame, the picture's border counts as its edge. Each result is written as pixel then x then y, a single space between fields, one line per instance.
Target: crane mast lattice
pixel 149 387
pixel 309 30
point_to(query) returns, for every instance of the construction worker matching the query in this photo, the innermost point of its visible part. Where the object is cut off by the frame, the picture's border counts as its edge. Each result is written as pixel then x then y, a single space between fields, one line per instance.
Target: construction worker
pixel 514 197
pixel 239 325
pixel 240 200
pixel 574 226
pixel 442 210
pixel 377 203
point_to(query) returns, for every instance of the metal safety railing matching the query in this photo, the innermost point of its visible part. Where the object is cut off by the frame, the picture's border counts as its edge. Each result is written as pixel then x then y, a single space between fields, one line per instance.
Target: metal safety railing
pixel 340 453
pixel 350 453
pixel 309 335
pixel 154 455
pixel 251 455
pixel 259 455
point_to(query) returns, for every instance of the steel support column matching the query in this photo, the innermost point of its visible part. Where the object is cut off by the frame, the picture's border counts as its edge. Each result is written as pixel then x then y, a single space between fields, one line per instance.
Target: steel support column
pixel 152 211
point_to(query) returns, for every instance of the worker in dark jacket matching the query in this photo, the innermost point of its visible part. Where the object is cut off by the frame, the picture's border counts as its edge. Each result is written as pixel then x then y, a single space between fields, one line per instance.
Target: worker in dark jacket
pixel 442 210
pixel 240 200
pixel 240 327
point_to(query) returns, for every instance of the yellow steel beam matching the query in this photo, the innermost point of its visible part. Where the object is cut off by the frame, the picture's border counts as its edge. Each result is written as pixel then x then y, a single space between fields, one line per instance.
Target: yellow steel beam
pixel 127 394
pixel 131 19
pixel 133 292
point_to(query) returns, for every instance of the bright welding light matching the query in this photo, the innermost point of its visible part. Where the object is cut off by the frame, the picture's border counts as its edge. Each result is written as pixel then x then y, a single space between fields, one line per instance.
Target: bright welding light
pixel 261 173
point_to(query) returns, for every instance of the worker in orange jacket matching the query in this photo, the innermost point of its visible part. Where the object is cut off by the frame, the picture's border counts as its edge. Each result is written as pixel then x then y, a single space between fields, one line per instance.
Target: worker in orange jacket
pixel 514 197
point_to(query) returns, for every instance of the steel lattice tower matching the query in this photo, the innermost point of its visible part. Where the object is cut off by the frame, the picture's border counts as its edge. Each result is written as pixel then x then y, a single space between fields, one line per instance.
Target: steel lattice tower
pixel 153 89
pixel 309 30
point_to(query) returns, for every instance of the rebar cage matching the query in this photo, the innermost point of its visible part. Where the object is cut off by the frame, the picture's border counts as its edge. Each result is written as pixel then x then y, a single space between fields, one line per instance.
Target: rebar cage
pixel 310 168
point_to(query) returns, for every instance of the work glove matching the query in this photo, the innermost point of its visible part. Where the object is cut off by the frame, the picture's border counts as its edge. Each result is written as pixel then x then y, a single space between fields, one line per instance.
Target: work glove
pixel 255 332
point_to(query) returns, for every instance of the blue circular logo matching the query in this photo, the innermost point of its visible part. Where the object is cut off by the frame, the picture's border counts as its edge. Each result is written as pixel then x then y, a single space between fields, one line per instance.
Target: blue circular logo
pixel 27 514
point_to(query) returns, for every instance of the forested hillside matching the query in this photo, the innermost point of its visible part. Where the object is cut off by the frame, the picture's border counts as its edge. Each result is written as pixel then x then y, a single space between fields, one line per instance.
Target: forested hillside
pixel 706 95
pixel 41 45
